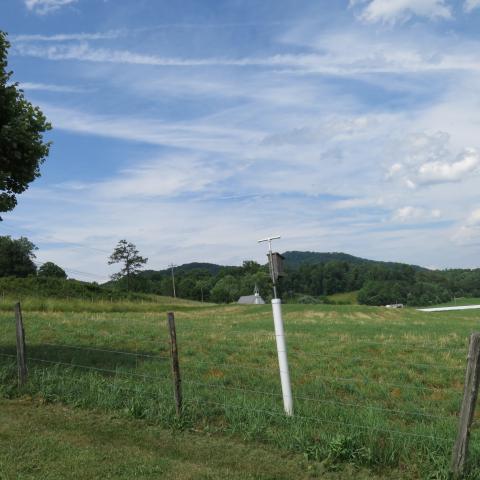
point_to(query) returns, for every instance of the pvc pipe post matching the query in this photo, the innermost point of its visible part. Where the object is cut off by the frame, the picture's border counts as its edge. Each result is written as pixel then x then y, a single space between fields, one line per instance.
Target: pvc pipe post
pixel 282 356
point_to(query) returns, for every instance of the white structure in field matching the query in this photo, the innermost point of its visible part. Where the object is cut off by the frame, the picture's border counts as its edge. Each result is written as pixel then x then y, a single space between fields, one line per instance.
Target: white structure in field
pixel 254 299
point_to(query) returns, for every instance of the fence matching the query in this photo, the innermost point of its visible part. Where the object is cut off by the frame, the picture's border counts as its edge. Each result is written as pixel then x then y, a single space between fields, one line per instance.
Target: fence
pixel 405 400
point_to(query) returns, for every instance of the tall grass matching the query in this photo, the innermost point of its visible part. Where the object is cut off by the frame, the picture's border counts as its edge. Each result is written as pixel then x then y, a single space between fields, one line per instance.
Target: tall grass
pixel 372 387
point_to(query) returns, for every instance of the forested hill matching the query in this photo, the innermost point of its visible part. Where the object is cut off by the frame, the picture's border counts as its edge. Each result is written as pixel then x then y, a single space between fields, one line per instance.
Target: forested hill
pixel 211 268
pixel 295 259
pixel 312 276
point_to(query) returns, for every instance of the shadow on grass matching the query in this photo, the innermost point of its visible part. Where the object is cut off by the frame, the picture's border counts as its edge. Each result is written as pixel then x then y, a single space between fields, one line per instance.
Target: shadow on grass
pixel 98 357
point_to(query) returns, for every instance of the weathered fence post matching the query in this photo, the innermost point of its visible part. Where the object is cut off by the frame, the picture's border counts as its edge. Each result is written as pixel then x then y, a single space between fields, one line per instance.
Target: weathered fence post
pixel 177 382
pixel 21 352
pixel 470 393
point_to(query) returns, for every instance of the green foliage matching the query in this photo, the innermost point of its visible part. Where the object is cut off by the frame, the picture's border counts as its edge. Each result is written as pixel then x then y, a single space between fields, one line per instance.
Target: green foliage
pixel 226 290
pixel 50 269
pixel 16 257
pixel 22 125
pixel 51 287
pixel 415 294
pixel 127 254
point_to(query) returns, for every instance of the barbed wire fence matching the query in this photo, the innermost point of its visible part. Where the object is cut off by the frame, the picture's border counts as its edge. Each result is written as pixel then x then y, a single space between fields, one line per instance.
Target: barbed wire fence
pixel 226 396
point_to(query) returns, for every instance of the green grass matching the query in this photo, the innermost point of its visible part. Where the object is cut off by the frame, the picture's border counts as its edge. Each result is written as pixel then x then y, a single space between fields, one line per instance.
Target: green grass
pixel 460 302
pixel 347 298
pixel 374 388
pixel 151 303
pixel 50 442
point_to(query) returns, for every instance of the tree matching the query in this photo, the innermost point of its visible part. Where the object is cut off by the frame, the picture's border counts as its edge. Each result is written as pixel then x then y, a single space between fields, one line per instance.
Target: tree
pixel 49 269
pixel 226 290
pixel 126 253
pixel 16 257
pixel 22 148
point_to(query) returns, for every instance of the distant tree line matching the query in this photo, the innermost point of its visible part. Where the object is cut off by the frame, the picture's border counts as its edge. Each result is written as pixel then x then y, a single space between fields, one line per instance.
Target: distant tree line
pixel 377 283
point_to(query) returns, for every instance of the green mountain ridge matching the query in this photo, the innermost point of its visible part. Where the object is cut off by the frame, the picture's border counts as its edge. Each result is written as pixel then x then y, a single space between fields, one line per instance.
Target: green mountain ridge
pixel 294 259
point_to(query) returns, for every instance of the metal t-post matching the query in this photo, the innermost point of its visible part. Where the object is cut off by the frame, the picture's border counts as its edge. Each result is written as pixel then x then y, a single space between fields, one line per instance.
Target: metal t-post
pixel 280 336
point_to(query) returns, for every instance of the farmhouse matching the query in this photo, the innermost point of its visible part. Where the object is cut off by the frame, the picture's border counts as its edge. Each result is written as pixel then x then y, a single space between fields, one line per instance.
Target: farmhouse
pixel 254 299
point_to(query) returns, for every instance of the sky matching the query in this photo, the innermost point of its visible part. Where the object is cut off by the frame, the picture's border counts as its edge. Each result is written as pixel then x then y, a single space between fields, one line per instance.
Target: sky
pixel 194 128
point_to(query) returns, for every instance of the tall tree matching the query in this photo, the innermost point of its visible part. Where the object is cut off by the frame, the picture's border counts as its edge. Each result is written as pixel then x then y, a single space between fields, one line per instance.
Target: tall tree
pixel 22 125
pixel 50 269
pixel 127 254
pixel 16 257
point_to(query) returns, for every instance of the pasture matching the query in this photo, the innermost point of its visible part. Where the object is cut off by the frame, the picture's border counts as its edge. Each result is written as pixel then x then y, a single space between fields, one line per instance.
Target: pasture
pixel 374 388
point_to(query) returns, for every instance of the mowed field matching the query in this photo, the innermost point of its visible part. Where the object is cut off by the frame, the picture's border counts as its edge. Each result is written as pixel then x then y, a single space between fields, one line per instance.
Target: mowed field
pixel 373 388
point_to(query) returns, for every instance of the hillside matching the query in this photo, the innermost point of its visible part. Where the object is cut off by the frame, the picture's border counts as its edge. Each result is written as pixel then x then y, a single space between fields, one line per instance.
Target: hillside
pixel 295 259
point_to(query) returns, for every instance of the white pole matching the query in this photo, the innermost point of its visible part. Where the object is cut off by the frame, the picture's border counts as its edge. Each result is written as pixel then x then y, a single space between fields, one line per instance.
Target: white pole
pixel 282 356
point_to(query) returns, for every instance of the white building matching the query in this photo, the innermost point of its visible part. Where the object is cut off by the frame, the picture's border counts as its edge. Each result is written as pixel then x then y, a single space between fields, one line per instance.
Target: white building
pixel 254 299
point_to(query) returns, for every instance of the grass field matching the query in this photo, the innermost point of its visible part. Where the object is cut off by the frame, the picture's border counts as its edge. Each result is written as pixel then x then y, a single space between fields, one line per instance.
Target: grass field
pixel 460 302
pixel 350 298
pixel 375 388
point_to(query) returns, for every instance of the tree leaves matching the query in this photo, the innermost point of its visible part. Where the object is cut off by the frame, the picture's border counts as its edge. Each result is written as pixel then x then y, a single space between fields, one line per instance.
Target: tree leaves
pixel 22 148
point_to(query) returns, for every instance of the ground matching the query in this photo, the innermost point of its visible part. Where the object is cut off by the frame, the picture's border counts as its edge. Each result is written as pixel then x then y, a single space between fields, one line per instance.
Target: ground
pixel 53 442
pixel 375 388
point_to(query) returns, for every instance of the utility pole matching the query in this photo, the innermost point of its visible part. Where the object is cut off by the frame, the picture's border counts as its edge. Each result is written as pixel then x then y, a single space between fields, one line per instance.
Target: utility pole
pixel 172 266
pixel 274 262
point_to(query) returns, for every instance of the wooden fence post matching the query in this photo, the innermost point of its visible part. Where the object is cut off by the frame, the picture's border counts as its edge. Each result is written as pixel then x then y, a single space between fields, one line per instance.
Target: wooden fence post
pixel 470 393
pixel 177 382
pixel 21 351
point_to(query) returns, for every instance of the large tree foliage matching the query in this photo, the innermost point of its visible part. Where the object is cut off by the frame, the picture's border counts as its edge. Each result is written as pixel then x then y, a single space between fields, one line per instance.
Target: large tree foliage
pixel 127 254
pixel 51 270
pixel 16 257
pixel 22 125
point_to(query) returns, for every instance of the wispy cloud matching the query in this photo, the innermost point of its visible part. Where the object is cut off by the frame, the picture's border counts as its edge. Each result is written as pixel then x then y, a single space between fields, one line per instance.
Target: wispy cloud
pixel 203 137
pixel 46 87
pixel 469 231
pixel 372 59
pixel 394 11
pixel 415 214
pixel 65 37
pixel 43 7
pixel 471 5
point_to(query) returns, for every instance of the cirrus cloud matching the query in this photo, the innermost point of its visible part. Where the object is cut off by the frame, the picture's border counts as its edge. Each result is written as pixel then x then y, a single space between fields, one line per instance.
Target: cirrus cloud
pixel 43 7
pixel 395 11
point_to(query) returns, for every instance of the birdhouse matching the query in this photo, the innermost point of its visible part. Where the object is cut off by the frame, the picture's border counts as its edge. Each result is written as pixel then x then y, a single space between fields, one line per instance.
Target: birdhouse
pixel 276 265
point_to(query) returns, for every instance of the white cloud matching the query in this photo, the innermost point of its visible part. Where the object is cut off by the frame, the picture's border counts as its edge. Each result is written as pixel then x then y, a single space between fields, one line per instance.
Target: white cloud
pixel 43 7
pixel 439 172
pixel 469 232
pixel 51 88
pixel 338 54
pixel 393 11
pixel 202 137
pixel 470 5
pixel 426 159
pixel 164 177
pixel 66 37
pixel 409 214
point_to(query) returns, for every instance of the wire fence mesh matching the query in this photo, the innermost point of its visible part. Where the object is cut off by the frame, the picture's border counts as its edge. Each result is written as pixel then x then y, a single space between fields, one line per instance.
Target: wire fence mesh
pixel 384 394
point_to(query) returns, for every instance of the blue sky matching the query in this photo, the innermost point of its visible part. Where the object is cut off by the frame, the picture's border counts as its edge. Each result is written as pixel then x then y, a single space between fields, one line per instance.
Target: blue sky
pixel 195 128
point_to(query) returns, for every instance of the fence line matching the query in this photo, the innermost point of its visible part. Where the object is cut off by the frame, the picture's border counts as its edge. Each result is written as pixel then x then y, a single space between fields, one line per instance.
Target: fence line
pixel 89 367
pixel 258 392
pixel 294 350
pixel 323 344
pixel 382 362
pixel 325 416
pixel 333 422
pixel 311 375
pixel 103 350
pixel 386 384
